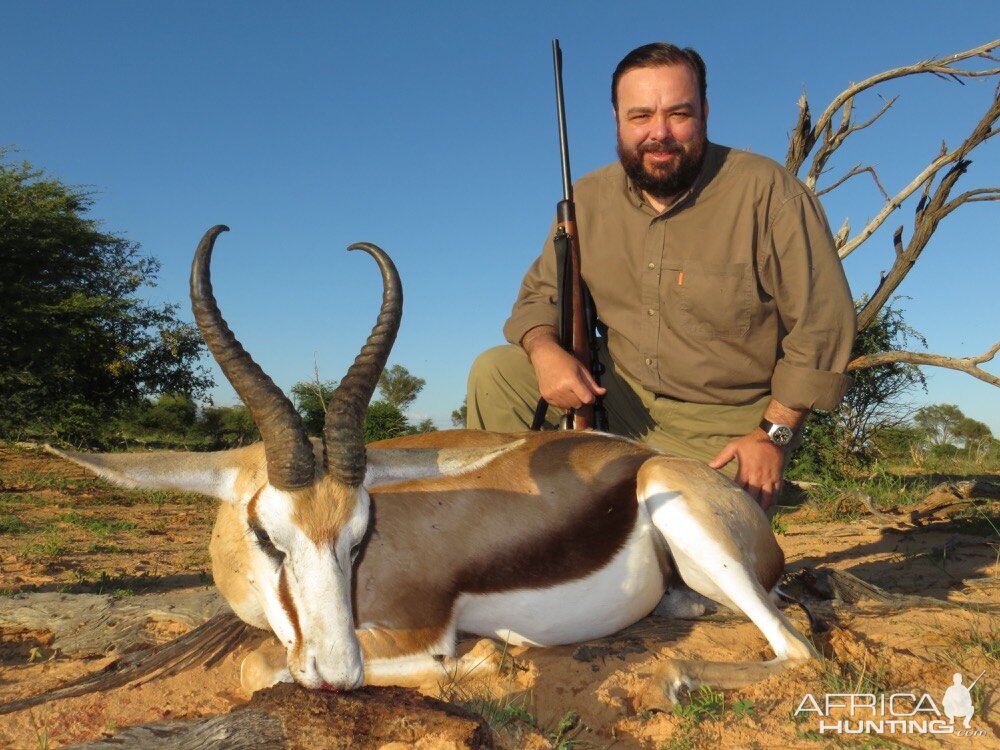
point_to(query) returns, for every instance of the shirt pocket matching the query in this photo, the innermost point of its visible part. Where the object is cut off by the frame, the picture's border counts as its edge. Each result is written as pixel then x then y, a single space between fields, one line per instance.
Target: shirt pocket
pixel 713 299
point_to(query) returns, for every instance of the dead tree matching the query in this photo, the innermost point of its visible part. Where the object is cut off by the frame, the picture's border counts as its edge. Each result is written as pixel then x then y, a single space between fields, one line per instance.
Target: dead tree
pixel 934 183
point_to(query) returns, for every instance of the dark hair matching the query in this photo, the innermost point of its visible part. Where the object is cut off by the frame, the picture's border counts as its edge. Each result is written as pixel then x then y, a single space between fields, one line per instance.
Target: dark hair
pixel 655 55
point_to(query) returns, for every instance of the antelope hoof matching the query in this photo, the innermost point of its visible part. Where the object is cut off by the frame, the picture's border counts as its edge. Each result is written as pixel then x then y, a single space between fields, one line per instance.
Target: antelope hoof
pixel 661 691
pixel 266 666
pixel 484 657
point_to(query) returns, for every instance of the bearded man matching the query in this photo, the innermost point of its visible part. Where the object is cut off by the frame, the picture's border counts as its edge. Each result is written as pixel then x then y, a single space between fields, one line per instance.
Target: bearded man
pixel 714 271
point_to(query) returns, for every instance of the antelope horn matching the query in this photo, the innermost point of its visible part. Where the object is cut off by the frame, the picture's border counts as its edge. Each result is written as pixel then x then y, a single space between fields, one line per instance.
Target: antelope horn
pixel 289 454
pixel 343 433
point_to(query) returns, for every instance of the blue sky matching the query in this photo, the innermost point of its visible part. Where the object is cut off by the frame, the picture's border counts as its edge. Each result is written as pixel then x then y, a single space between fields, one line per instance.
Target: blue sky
pixel 430 129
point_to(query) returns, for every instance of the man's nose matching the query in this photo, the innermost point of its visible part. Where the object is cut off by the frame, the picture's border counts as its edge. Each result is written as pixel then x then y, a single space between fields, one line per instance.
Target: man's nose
pixel 659 128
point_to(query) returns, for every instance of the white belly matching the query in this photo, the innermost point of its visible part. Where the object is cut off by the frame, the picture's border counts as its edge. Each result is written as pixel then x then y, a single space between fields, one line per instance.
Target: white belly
pixel 619 594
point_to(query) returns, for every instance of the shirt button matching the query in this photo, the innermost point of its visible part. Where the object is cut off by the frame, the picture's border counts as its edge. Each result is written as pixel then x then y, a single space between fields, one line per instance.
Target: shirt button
pixel 651 311
pixel 651 266
pixel 649 361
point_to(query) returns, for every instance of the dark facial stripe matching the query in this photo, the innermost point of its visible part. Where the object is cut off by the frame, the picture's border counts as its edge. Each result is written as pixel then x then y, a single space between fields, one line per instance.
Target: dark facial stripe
pixel 285 597
pixel 252 519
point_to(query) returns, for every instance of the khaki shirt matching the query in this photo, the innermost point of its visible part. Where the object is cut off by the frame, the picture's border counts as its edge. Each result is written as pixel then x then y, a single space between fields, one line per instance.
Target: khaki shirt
pixel 734 292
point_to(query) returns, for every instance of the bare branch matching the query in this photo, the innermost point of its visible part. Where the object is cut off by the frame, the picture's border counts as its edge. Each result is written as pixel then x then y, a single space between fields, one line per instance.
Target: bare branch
pixel 855 171
pixel 965 364
pixel 876 116
pixel 931 186
pixel 981 133
pixel 943 65
pixel 833 141
pixel 973 196
pixel 801 141
pixel 897 242
pixel 932 208
pixel 841 236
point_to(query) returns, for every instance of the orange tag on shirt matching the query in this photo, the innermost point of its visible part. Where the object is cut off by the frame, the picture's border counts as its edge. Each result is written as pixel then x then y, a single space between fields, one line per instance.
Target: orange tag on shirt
pixel 680 278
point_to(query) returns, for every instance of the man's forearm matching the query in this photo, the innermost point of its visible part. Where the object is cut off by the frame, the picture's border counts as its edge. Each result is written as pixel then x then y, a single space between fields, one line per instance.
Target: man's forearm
pixel 778 413
pixel 538 336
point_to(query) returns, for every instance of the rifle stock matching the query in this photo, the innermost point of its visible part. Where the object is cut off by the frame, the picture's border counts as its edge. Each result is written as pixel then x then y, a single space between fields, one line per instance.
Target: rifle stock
pixel 573 333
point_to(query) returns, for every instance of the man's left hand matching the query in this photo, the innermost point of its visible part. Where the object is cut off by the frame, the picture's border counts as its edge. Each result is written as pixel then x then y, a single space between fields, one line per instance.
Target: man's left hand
pixel 761 465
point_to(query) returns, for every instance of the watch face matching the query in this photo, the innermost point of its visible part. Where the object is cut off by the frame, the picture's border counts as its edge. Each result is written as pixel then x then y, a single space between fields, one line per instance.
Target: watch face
pixel 781 434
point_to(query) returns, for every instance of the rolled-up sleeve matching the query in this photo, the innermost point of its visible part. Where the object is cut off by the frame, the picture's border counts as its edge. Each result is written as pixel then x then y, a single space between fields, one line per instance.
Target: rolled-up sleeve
pixel 802 271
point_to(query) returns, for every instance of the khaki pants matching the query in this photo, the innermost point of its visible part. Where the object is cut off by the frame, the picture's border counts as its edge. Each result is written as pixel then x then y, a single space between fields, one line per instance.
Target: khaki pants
pixel 503 394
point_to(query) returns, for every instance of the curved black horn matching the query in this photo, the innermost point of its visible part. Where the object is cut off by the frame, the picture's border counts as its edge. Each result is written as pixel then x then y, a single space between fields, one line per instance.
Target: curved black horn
pixel 286 445
pixel 343 434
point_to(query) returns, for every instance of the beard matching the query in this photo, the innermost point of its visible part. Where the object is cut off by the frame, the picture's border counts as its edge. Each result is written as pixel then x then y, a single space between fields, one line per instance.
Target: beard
pixel 666 180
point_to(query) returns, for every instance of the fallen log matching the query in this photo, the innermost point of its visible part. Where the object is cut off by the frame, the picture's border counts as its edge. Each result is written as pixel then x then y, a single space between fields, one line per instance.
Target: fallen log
pixel 827 585
pixel 289 717
pixel 204 646
pixel 87 625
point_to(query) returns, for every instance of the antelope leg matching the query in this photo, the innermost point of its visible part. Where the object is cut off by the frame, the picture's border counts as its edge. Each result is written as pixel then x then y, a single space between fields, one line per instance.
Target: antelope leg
pixel 723 548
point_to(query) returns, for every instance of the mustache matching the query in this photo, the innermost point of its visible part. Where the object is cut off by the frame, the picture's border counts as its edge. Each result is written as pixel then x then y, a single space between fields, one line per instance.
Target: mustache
pixel 657 147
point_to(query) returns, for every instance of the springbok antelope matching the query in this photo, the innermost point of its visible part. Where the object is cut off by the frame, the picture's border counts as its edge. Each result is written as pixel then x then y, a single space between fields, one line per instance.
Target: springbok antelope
pixel 365 564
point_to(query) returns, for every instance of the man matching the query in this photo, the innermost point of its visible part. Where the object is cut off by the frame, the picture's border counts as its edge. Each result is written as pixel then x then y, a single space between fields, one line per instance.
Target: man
pixel 727 309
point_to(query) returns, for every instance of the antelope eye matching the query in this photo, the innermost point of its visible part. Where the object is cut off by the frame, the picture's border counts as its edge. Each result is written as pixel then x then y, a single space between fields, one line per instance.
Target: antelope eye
pixel 262 538
pixel 266 545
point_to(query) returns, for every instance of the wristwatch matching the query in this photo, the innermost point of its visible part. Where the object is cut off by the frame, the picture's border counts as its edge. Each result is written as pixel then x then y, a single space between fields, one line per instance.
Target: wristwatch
pixel 780 434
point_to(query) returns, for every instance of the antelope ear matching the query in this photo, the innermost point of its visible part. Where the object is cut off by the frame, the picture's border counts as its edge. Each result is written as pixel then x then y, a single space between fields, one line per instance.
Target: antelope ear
pixel 232 476
pixel 388 465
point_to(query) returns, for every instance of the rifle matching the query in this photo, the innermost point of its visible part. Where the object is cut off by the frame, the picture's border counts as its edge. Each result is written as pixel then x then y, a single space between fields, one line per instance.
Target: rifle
pixel 577 314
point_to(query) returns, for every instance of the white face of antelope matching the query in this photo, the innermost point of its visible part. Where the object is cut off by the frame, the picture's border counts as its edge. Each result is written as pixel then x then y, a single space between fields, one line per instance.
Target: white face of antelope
pixel 303 545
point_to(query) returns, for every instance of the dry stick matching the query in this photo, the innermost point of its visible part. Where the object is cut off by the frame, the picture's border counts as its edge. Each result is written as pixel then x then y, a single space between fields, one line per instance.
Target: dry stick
pixel 804 135
pixel 965 364
pixel 932 209
pixel 833 141
pixel 982 133
pixel 933 206
pixel 854 173
pixel 206 644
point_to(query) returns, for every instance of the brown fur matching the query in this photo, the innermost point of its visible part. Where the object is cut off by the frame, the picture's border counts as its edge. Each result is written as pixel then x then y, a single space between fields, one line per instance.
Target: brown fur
pixel 447 439
pixel 322 510
pixel 388 644
pixel 557 525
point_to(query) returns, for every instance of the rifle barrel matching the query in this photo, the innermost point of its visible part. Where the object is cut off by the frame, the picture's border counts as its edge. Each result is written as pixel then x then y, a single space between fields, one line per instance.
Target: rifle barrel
pixel 561 111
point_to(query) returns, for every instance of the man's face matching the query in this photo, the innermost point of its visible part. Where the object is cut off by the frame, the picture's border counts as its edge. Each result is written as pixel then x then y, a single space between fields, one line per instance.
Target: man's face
pixel 661 129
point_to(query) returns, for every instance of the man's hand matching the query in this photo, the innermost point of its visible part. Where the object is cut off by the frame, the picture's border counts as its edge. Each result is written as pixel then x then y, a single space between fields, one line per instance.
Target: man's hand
pixel 761 465
pixel 761 462
pixel 562 380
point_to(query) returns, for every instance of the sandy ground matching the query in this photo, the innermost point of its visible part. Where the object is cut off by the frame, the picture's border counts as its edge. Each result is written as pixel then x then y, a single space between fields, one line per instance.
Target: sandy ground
pixel 62 531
